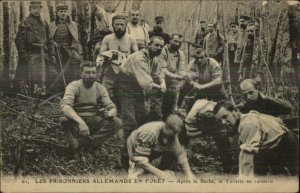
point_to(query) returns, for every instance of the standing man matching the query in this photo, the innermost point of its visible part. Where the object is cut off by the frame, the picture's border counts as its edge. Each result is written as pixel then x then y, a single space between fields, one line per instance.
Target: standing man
pixel 117 41
pixel 201 33
pixel 233 38
pixel 101 25
pixel 140 73
pixel 266 143
pixel 36 50
pixel 174 72
pixel 213 43
pixel 90 115
pixel 250 55
pixel 137 31
pixel 243 22
pixel 65 35
pixel 158 30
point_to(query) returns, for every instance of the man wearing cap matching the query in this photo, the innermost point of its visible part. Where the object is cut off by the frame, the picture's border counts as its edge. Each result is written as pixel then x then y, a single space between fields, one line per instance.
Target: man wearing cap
pixel 243 22
pixel 233 37
pixel 213 43
pixel 249 66
pixel 140 33
pixel 120 43
pixel 201 33
pixel 204 79
pixel 36 50
pixel 158 30
pixel 65 35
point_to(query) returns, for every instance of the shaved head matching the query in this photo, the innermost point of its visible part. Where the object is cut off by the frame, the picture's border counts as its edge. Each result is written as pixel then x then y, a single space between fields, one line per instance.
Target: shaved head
pixel 248 84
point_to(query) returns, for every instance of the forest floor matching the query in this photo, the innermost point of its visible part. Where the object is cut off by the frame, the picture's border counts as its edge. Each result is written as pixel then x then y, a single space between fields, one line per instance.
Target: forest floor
pixel 39 147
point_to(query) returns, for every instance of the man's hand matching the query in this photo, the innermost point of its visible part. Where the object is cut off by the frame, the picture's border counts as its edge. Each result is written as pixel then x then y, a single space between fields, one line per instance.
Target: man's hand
pixel 163 87
pixel 105 113
pixel 84 129
pixel 198 86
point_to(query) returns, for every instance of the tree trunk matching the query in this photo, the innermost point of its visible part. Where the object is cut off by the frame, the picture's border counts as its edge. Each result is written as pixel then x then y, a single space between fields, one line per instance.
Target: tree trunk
pixel 6 49
pixel 1 41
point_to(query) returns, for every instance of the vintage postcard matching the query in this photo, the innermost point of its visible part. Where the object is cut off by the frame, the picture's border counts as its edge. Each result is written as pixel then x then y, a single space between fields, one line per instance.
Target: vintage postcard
pixel 149 95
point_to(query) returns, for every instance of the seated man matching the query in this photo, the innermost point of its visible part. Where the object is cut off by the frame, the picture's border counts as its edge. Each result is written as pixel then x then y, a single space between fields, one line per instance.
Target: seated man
pixel 265 141
pixel 155 139
pixel 89 112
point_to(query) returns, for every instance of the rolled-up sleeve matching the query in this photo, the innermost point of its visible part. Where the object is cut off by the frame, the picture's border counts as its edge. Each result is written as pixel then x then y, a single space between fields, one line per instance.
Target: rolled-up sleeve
pixel 69 95
pixel 216 70
pixel 106 101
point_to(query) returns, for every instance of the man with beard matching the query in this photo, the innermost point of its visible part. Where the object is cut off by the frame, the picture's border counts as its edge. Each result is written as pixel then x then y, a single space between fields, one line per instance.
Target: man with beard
pixel 140 73
pixel 117 41
pixel 242 37
pixel 174 71
pixel 65 35
pixel 233 37
pixel 158 30
pixel 135 30
pixel 201 33
pixel 266 143
pixel 90 115
pixel 213 43
pixel 36 51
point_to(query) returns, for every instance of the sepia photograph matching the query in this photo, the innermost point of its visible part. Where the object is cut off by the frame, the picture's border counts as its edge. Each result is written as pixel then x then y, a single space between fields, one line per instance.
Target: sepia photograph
pixel 149 95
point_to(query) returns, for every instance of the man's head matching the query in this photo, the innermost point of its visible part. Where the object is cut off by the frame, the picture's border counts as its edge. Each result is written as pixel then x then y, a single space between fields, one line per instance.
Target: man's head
pixel 119 23
pixel 159 21
pixel 155 46
pixel 88 72
pixel 251 30
pixel 176 41
pixel 234 26
pixel 227 112
pixel 200 56
pixel 244 21
pixel 174 126
pixel 109 5
pixel 135 16
pixel 249 90
pixel 62 11
pixel 203 25
pixel 211 27
pixel 35 8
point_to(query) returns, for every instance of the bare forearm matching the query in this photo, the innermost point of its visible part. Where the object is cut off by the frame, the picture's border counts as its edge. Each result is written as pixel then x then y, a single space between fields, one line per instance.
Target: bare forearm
pixel 70 113
pixel 215 82
pixel 153 170
pixel 172 75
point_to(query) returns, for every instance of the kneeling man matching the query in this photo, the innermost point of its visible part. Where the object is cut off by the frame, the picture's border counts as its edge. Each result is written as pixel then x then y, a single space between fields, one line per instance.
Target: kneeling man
pixel 155 139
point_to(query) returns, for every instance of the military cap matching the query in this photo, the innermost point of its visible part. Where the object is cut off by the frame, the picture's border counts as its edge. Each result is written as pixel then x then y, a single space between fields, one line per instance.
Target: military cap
pixel 245 17
pixel 159 19
pixel 61 7
pixel 202 21
pixel 35 4
pixel 234 23
pixel 199 52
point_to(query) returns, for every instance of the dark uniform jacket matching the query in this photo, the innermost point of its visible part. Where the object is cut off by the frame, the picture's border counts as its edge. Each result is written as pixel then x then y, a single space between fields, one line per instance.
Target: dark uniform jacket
pixel 164 35
pixel 72 26
pixel 34 31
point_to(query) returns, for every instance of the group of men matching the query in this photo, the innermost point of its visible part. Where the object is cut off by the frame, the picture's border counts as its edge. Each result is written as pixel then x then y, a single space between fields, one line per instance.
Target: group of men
pixel 141 78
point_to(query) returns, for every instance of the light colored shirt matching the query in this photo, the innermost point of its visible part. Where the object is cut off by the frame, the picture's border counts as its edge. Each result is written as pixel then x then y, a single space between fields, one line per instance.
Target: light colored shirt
pixel 85 101
pixel 207 73
pixel 142 69
pixel 139 33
